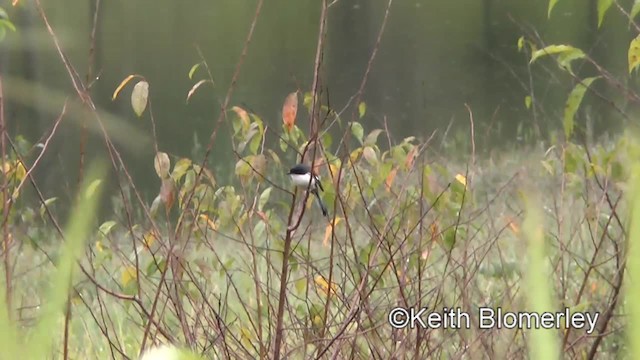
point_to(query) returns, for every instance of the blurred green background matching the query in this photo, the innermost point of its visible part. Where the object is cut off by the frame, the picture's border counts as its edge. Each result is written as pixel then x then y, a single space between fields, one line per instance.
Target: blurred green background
pixel 435 56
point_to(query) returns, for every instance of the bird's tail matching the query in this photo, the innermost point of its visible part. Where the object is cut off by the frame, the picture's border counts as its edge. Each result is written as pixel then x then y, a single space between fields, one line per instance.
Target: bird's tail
pixel 322 206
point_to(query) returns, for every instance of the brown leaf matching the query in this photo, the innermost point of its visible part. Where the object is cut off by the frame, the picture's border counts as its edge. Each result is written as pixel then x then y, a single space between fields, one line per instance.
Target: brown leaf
pixel 289 110
pixel 390 178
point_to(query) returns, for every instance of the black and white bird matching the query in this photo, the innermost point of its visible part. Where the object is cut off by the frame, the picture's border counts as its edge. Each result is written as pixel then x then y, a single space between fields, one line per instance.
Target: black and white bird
pixel 302 177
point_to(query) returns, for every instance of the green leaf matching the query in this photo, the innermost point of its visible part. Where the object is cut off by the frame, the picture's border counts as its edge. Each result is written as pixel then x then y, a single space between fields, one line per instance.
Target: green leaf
pixel 570 51
pixel 264 197
pixel 573 102
pixel 362 109
pixel 193 70
pixel 242 167
pixel 139 97
pixel 7 25
pixel 180 168
pixel 91 189
pixel 527 101
pixel 357 130
pixel 46 204
pixel 154 267
pixel 603 7
pixel 106 227
pixel 76 233
pixel 521 43
pixel 301 285
pixel 283 145
pixel 634 54
pixel 634 10
pixel 552 4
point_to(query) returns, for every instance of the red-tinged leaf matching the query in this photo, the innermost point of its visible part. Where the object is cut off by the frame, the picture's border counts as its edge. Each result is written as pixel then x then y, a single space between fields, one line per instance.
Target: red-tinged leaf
pixel 411 157
pixel 289 110
pixel 168 193
pixel 195 87
pixel 390 178
pixel 243 115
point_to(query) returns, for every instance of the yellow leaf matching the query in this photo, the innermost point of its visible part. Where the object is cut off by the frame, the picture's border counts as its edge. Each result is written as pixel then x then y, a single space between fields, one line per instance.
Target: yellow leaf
pixel 148 239
pixel 246 337
pixel 634 54
pixel 122 85
pixel 6 167
pixel 209 222
pixel 99 246
pixel 328 231
pixel 128 274
pixel 461 179
pixel 21 172
pixel 323 285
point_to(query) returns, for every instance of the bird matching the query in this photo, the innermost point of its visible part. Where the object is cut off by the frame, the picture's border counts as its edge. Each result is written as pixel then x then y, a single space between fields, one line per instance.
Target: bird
pixel 302 177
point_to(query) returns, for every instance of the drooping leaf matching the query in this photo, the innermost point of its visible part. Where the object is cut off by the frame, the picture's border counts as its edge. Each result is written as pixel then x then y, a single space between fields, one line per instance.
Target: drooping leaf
pixel 139 97
pixel 372 138
pixel 328 231
pixel 289 110
pixel 259 164
pixel 122 85
pixel 195 87
pixel 243 121
pixel 47 203
pixel 573 102
pixel 357 130
pixel 155 205
pixel 634 54
pixel 264 197
pixel 243 170
pixel 370 155
pixel 557 49
pixel 168 192
pixel 362 109
pixel 162 164
pixel 603 7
